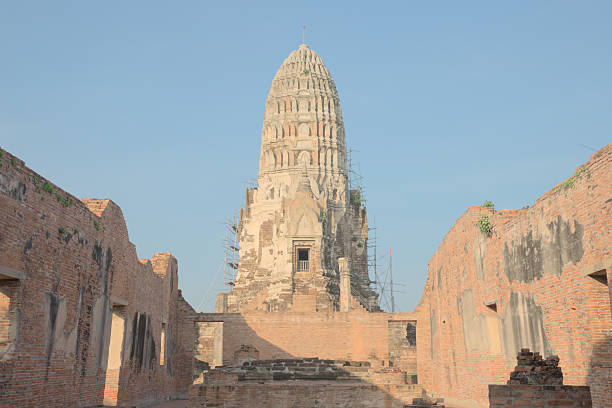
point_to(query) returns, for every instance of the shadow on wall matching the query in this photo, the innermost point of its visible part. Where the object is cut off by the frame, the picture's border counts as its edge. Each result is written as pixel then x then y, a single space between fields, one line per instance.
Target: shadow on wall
pixel 599 376
pixel 258 373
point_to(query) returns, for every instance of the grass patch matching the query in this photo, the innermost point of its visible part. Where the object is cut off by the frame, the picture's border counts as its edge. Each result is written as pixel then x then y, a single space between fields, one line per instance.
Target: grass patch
pixel 571 182
pixel 66 201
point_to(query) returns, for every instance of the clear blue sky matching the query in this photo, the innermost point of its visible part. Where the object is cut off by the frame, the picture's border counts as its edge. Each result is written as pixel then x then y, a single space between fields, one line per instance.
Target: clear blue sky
pixel 159 106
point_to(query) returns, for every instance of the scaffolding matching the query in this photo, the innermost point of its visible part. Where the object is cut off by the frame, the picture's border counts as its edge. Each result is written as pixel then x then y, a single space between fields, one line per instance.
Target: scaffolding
pixel 355 179
pixel 385 286
pixel 231 251
pixel 252 184
pixel 371 248
pixel 379 266
pixel 355 203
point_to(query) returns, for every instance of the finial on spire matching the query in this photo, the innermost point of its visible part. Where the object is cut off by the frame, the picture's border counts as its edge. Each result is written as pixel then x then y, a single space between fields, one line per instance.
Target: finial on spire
pixel 303 34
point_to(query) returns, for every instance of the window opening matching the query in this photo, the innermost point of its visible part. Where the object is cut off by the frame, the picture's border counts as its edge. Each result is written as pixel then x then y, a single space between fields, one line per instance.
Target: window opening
pixel 113 365
pixel 492 306
pixel 8 318
pixel 411 333
pixel 303 260
pixel 600 276
pixel 162 346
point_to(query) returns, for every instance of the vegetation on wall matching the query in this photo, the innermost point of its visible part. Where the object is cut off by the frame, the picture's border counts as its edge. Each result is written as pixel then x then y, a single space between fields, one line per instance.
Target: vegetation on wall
pixel 485 224
pixel 47 187
pixel 570 182
pixel 488 204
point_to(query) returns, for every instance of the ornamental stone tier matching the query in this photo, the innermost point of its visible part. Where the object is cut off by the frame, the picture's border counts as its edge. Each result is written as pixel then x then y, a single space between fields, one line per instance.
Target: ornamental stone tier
pixel 302 217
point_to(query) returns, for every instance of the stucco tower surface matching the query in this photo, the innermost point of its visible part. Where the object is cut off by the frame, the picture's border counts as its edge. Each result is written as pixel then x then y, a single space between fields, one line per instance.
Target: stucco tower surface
pixel 540 280
pixel 302 216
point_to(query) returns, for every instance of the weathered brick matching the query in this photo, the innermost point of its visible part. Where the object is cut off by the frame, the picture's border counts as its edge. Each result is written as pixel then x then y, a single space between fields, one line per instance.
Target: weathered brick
pixel 81 321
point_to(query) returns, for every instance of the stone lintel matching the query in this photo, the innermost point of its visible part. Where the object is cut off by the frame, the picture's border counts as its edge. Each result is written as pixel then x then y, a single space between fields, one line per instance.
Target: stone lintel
pixel 117 301
pixel 8 273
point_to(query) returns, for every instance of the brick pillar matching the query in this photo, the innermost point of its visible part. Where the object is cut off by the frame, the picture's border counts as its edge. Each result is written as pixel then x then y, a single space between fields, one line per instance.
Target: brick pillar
pixel 345 284
pixel 221 305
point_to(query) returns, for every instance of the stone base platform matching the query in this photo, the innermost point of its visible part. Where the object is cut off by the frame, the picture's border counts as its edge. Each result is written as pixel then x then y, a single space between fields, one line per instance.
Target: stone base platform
pixel 302 393
pixel 512 395
pixel 307 382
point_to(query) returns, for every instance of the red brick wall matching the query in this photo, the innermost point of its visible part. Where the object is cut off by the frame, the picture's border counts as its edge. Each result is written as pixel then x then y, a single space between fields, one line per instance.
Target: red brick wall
pixel 535 268
pixel 502 396
pixel 356 335
pixel 111 386
pixel 75 262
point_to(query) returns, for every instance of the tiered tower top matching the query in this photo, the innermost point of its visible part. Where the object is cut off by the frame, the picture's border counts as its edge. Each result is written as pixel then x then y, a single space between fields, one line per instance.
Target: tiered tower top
pixel 303 129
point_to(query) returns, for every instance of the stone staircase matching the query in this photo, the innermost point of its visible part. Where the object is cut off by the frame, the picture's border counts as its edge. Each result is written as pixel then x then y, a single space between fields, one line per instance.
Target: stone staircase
pixel 316 369
pixel 392 380
pixel 301 369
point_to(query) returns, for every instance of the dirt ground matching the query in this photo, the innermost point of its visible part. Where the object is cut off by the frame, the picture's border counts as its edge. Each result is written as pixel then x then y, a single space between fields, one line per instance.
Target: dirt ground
pixel 171 404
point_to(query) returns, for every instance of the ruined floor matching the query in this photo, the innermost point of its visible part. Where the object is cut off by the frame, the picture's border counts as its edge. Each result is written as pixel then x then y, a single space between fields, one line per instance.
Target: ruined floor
pixel 172 404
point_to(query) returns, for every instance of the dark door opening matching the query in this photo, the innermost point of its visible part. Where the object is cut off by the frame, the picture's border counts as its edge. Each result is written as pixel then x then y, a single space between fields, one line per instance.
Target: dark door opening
pixel 303 260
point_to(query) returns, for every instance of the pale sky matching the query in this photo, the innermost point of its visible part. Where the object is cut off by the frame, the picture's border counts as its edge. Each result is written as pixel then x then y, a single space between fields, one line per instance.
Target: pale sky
pixel 159 106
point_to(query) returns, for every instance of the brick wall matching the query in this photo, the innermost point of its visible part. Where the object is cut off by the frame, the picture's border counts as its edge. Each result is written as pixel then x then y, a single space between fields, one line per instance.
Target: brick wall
pixel 68 269
pixel 502 396
pixel 402 345
pixel 208 344
pixel 298 394
pixel 356 335
pixel 538 281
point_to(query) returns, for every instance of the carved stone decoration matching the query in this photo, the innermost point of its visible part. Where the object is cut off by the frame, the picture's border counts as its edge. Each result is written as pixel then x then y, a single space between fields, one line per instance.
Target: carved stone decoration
pixel 303 130
pixel 304 159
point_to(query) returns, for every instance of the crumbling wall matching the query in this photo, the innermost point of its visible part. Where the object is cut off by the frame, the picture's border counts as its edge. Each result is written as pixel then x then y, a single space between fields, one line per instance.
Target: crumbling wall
pixel 307 394
pixel 209 343
pixel 538 280
pixel 308 382
pixel 402 345
pixel 355 335
pixel 69 280
pixel 538 382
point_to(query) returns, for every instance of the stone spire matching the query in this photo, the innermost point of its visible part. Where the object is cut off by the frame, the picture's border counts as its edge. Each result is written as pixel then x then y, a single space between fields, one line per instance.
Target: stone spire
pixel 298 221
pixel 303 127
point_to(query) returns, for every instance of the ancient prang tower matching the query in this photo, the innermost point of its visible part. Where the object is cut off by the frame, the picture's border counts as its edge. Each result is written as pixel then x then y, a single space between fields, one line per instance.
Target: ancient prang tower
pixel 301 218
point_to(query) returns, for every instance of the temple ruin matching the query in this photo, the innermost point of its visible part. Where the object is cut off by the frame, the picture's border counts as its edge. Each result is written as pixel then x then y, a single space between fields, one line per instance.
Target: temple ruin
pixel 516 309
pixel 83 321
pixel 302 217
